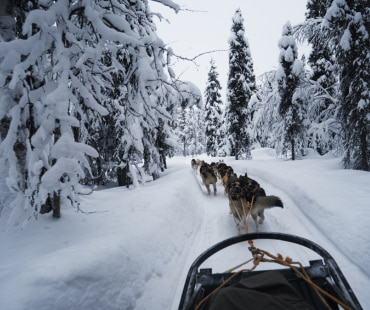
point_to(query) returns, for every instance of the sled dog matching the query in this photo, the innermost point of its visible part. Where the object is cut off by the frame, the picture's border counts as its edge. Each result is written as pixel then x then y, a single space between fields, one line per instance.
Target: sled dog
pixel 208 177
pixel 195 164
pixel 238 204
pixel 224 171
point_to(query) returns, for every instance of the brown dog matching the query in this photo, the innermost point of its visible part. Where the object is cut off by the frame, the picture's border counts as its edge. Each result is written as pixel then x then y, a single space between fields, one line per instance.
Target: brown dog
pixel 208 177
pixel 239 208
pixel 224 171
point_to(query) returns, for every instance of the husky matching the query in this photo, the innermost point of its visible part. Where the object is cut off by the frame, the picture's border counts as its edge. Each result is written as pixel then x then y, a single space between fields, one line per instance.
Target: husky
pixel 195 165
pixel 229 178
pixel 208 177
pixel 238 205
pixel 224 171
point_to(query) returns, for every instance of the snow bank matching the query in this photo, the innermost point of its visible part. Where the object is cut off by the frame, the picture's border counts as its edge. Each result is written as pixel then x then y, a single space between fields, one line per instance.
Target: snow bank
pixel 105 259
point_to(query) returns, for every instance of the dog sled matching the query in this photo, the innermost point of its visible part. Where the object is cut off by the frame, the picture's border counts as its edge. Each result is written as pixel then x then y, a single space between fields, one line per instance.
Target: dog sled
pixel 320 285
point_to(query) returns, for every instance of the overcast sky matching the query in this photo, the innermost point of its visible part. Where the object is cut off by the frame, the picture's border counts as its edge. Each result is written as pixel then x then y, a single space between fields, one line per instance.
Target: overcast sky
pixel 206 26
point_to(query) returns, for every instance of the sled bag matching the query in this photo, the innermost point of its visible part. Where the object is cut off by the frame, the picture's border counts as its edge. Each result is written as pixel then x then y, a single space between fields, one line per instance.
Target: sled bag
pixel 268 291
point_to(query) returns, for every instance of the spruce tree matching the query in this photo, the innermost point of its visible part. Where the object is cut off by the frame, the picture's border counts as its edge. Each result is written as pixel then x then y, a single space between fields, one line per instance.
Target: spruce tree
pixel 182 132
pixel 222 142
pixel 288 76
pixel 241 85
pixel 212 111
pixel 267 122
pixel 324 77
pixel 348 23
pixel 195 130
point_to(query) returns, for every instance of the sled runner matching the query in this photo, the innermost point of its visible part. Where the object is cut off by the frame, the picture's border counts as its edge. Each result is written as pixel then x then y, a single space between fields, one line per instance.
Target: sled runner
pixel 271 289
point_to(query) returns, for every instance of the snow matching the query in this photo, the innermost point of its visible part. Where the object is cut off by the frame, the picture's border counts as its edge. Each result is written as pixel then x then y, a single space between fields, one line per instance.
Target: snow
pixel 237 18
pixel 298 67
pixel 345 41
pixel 130 248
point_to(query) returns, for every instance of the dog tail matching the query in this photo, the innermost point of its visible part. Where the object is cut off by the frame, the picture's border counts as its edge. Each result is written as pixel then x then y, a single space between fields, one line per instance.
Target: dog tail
pixel 269 202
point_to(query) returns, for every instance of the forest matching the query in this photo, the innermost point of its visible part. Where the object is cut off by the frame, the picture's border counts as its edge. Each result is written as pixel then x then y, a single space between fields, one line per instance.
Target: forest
pixel 88 96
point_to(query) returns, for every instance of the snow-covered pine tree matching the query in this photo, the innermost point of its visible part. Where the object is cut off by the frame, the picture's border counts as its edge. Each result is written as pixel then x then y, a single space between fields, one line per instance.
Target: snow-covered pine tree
pixel 348 24
pixel 53 72
pixel 189 119
pixel 200 129
pixel 141 106
pixel 222 141
pixel 182 132
pixel 322 110
pixel 288 75
pixel 212 111
pixel 321 58
pixel 268 125
pixel 241 85
pixel 195 130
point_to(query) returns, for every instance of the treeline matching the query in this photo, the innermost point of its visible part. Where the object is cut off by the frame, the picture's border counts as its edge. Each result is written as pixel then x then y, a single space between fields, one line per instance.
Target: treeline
pixel 320 103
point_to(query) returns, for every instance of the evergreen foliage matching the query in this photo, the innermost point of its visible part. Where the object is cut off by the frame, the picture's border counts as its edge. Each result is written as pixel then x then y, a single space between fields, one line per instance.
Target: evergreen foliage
pixel 213 111
pixel 324 127
pixel 348 23
pixel 289 76
pixel 189 120
pixel 241 86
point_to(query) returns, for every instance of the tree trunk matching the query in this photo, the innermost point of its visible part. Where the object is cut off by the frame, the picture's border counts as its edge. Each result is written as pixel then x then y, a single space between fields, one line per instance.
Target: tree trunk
pixel 236 150
pixel 293 149
pixel 162 158
pixel 122 175
pixel 56 205
pixel 164 161
pixel 20 151
pixel 364 151
pixel 52 204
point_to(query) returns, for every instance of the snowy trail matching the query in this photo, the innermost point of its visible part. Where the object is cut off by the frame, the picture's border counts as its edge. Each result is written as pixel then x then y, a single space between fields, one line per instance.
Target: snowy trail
pixel 131 248
pixel 218 225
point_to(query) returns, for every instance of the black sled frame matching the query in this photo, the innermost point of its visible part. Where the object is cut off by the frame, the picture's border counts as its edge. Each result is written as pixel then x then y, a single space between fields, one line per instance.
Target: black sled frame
pixel 323 272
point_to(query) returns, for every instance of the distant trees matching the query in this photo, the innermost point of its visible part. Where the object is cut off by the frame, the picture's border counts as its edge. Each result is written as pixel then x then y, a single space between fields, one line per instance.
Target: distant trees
pixel 213 112
pixel 189 120
pixel 241 86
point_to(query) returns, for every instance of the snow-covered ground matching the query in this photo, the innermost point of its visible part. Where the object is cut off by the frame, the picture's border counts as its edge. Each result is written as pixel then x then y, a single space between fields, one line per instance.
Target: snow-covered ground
pixel 131 248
